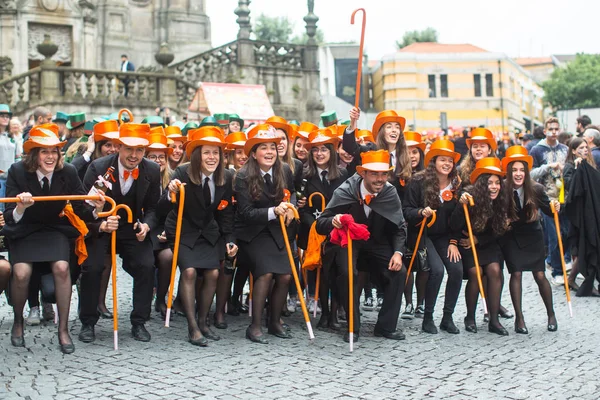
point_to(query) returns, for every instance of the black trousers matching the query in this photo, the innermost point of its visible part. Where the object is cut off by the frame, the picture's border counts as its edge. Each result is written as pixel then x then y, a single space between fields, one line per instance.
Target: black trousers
pixel 138 261
pixel 374 258
pixel 437 259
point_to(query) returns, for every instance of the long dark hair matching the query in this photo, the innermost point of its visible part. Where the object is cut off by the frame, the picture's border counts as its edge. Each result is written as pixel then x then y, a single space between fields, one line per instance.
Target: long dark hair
pixel 403 169
pixel 487 210
pixel 194 169
pixel 255 180
pixel 529 195
pixel 31 160
pixel 431 184
pixel 310 169
pixel 467 165
pixel 571 156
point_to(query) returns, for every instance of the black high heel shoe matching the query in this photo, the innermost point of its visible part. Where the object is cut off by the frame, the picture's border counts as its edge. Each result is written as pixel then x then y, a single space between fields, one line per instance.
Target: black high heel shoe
pixel 522 330
pixel 256 339
pixel 66 348
pixel 499 330
pixel 553 327
pixel 470 326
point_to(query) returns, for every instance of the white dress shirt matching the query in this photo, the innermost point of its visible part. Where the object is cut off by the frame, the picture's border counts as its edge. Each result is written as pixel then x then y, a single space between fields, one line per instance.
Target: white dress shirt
pixel 16 216
pixel 449 187
pixel 211 185
pixel 393 158
pixel 271 214
pixel 124 66
pixel 363 193
pixel 126 184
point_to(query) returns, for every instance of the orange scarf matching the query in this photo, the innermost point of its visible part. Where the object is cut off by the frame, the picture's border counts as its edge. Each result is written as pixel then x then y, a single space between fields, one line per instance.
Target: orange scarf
pixel 80 249
pixel 312 255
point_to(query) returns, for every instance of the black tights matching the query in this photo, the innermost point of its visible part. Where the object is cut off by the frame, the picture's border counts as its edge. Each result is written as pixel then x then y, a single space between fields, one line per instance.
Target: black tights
pixel 4 274
pixel 328 283
pixel 493 272
pixel 163 260
pixel 516 294
pixel 422 278
pixel 187 291
pixel 239 281
pixel 262 286
pixel 223 293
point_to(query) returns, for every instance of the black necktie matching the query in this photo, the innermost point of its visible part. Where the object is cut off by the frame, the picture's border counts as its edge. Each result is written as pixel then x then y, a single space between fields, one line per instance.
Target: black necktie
pixel 269 183
pixel 517 201
pixel 206 192
pixel 45 186
pixel 324 179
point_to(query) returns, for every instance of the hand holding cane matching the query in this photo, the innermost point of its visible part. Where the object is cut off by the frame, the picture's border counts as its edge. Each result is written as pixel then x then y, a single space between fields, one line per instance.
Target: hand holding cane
pixel 475 258
pixel 175 248
pixel 293 268
pixel 416 250
pixel 310 204
pixel 562 256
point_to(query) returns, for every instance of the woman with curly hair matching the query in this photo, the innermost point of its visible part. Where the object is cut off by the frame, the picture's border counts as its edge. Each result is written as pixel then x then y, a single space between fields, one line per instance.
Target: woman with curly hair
pixel 523 245
pixel 489 222
pixel 435 190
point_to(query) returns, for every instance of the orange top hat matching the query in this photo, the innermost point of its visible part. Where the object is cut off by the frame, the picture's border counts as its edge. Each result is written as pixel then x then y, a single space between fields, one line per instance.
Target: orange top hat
pixel 487 165
pixel 262 133
pixel 158 140
pixel 306 128
pixel 278 123
pixel 205 136
pixel 377 161
pixel 441 147
pixel 482 135
pixel 45 135
pixel 414 139
pixel 106 130
pixel 293 131
pixel 516 153
pixel 323 136
pixel 173 133
pixel 387 116
pixel 235 140
pixel 364 133
pixel 134 135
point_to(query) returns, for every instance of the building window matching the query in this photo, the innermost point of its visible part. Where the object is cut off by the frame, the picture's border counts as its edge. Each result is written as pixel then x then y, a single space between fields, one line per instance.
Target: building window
pixel 432 91
pixel 444 85
pixel 489 85
pixel 477 82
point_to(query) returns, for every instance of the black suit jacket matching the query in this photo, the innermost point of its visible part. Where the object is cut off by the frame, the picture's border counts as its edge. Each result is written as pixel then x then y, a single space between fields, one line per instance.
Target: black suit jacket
pixel 147 188
pixel 252 216
pixel 526 233
pixel 43 214
pixel 198 219
pixel 307 214
pixel 80 165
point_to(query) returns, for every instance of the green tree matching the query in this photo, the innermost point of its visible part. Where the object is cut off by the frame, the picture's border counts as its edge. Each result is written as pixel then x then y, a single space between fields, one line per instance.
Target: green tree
pixel 303 38
pixel 410 37
pixel 273 29
pixel 576 85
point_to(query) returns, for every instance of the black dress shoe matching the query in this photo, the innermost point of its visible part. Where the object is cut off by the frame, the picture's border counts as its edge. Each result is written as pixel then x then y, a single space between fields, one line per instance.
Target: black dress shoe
pixel 160 308
pixel 219 325
pixel 256 339
pixel 504 313
pixel 286 327
pixel 17 341
pixel 448 325
pixel 323 322
pixel 87 334
pixel 334 326
pixel 486 317
pixel 553 327
pixel 499 330
pixel 428 326
pixel 283 334
pixel 347 337
pixel 66 348
pixel 396 335
pixel 140 333
pixel 211 335
pixel 105 315
pixel 522 330
pixel 242 308
pixel 470 326
pixel 202 341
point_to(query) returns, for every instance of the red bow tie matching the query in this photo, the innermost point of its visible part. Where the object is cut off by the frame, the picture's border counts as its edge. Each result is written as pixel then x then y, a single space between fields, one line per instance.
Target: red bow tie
pixel 368 198
pixel 135 173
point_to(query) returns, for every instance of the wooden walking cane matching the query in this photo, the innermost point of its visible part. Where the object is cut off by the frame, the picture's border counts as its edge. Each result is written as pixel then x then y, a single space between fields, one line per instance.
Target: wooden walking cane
pixel 350 293
pixel 310 204
pixel 293 268
pixel 415 251
pixel 562 257
pixel 477 271
pixel 360 54
pixel 175 248
pixel 251 279
pixel 113 258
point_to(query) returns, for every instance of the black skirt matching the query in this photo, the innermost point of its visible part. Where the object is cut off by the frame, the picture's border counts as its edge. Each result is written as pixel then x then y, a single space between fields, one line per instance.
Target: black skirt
pixel 528 258
pixel 157 245
pixel 490 253
pixel 264 257
pixel 202 256
pixel 45 245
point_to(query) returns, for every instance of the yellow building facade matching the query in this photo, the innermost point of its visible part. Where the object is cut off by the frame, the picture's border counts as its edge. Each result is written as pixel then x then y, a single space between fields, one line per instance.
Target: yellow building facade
pixel 463 84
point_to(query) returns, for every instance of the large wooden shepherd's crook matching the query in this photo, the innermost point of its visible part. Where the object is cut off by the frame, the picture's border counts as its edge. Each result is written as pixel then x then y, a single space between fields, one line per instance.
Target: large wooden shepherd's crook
pixel 175 248
pixel 310 204
pixel 360 53
pixel 477 270
pixel 562 257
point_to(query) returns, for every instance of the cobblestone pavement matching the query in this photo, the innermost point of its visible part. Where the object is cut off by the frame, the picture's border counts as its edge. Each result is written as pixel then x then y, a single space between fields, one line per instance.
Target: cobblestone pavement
pixel 541 365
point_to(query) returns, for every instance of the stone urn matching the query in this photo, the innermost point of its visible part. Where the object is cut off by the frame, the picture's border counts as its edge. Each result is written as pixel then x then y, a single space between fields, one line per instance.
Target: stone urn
pixel 47 49
pixel 164 56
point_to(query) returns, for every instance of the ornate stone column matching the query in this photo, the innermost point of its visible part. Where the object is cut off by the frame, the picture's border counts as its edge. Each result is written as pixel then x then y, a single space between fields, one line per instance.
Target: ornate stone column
pixel 50 79
pixel 245 45
pixel 314 104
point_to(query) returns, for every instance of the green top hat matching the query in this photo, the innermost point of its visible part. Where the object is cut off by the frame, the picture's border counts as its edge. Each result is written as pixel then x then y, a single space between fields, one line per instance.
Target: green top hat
pixel 344 122
pixel 88 128
pixel 329 118
pixel 188 126
pixel 61 117
pixel 75 120
pixel 222 119
pixel 154 120
pixel 235 117
pixel 5 109
pixel 209 121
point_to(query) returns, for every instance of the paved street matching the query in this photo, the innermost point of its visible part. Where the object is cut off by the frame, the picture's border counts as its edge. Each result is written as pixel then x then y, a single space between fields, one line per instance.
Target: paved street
pixel 541 365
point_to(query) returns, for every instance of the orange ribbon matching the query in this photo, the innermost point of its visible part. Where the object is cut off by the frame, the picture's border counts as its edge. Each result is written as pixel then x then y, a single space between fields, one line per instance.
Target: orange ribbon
pixel 286 195
pixel 135 174
pixel 447 195
pixel 402 182
pixel 80 249
pixel 223 205
pixel 368 198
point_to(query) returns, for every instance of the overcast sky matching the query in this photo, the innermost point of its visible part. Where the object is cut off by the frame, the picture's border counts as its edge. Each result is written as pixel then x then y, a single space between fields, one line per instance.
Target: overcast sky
pixel 516 27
